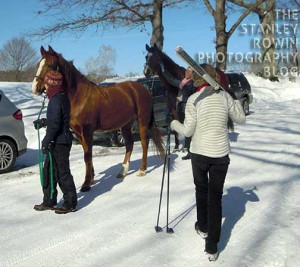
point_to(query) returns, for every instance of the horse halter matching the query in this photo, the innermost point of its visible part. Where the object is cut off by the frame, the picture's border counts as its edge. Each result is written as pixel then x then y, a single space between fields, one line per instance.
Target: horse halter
pixel 148 66
pixel 50 67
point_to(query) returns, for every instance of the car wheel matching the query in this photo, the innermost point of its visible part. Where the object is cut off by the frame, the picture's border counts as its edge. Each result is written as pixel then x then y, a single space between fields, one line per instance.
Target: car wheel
pixel 8 154
pixel 246 106
pixel 117 138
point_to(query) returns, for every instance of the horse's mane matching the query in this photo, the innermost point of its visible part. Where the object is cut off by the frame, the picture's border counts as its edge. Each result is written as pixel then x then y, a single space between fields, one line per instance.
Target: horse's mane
pixel 172 67
pixel 72 75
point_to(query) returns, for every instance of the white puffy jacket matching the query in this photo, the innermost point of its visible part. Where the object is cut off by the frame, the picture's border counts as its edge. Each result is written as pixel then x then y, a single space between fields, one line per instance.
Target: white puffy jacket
pixel 206 117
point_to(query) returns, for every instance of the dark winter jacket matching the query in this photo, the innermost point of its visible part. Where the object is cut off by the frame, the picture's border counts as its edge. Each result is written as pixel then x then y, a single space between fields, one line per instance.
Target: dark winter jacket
pixel 58 121
pixel 183 94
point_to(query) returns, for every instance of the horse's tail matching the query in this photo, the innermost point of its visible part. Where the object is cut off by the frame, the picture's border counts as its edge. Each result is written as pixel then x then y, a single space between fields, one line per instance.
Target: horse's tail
pixel 156 136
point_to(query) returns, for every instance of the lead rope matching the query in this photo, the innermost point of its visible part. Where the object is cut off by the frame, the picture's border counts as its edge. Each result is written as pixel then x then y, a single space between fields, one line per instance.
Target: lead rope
pixel 41 157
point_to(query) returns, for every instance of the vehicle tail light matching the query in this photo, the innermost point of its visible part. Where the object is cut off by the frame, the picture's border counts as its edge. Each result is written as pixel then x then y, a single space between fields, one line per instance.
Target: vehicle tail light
pixel 18 115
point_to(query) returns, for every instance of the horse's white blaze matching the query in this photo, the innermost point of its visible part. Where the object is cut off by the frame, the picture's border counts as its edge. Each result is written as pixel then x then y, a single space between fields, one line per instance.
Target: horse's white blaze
pixel 34 82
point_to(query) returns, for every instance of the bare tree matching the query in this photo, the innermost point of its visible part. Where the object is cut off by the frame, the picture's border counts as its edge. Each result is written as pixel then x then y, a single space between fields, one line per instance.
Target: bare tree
pixel 222 35
pixel 105 14
pixel 17 55
pixel 266 14
pixel 291 15
pixel 100 67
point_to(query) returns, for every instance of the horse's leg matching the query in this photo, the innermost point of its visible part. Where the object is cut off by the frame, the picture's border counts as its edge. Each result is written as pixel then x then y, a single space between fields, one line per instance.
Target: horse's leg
pixel 87 144
pixel 78 133
pixel 127 134
pixel 176 148
pixel 143 129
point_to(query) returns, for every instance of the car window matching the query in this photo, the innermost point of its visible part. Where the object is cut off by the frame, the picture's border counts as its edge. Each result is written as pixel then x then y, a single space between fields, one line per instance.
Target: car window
pixel 155 86
pixel 233 80
pixel 146 84
pixel 158 89
pixel 244 82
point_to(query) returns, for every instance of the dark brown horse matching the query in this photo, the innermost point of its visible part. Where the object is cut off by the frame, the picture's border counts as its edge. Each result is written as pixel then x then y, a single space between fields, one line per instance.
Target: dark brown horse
pixel 98 108
pixel 152 67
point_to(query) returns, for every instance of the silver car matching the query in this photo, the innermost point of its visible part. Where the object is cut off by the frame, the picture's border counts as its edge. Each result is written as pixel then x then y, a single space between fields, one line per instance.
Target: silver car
pixel 13 142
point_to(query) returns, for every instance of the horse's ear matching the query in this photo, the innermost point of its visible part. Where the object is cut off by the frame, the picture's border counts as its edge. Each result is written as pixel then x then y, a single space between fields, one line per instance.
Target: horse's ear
pixel 155 46
pixel 43 51
pixel 148 48
pixel 50 49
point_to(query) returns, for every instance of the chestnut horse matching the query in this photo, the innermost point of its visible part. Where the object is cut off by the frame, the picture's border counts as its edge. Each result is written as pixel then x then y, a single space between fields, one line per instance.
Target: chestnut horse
pixel 102 109
pixel 152 67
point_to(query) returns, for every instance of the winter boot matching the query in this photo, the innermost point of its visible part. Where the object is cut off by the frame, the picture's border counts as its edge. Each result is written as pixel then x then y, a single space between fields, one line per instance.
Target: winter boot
pixel 64 210
pixel 199 232
pixel 42 207
pixel 212 257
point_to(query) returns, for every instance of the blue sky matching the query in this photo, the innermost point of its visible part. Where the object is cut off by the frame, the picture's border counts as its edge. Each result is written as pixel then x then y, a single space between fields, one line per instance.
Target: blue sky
pixel 187 27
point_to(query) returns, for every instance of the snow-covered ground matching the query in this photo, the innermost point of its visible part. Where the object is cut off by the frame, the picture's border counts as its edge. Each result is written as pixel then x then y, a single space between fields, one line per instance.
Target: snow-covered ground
pixel 114 225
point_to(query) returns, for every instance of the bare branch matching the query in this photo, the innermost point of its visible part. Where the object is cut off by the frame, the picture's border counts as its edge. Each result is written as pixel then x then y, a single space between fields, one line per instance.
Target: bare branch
pixel 256 7
pixel 209 7
pixel 250 8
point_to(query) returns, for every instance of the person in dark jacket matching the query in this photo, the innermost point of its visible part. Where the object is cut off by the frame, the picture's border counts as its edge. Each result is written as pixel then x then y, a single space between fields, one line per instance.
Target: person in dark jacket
pixel 186 88
pixel 58 140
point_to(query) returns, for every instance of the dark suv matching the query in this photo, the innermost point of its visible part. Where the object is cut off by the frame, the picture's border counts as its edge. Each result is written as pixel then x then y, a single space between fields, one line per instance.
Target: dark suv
pixel 159 100
pixel 239 88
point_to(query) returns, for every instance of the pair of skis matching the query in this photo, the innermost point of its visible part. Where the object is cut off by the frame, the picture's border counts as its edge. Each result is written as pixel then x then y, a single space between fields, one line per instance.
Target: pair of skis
pixel 197 68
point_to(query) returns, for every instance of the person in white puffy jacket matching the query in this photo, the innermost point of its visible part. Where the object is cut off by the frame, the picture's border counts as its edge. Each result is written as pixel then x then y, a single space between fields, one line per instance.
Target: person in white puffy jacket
pixel 206 117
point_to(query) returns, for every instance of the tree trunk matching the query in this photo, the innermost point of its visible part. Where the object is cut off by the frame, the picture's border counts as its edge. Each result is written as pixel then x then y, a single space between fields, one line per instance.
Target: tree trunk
pixel 221 34
pixel 157 26
pixel 267 20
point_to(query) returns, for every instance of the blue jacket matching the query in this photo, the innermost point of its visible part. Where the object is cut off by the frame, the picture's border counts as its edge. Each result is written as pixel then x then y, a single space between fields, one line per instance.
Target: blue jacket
pixel 58 121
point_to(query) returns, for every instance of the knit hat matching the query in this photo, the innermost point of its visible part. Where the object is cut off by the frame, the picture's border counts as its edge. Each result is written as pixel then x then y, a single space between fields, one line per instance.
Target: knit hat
pixel 198 80
pixel 53 78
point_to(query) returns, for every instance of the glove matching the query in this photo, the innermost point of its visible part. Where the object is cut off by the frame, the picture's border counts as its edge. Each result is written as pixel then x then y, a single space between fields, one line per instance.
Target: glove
pixel 180 98
pixel 46 148
pixel 40 123
pixel 169 118
pixel 162 67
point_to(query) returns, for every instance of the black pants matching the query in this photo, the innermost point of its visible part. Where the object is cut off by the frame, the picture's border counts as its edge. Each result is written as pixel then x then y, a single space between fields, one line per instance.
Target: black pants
pixel 209 176
pixel 61 175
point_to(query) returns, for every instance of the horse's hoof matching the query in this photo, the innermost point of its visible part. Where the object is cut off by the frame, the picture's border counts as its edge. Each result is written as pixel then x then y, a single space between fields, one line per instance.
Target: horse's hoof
pixel 141 173
pixel 85 188
pixel 124 170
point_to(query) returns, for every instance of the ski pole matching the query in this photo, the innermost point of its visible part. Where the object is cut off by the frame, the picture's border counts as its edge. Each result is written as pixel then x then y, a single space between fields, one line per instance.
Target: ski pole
pixel 168 230
pixel 166 165
pixel 157 227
